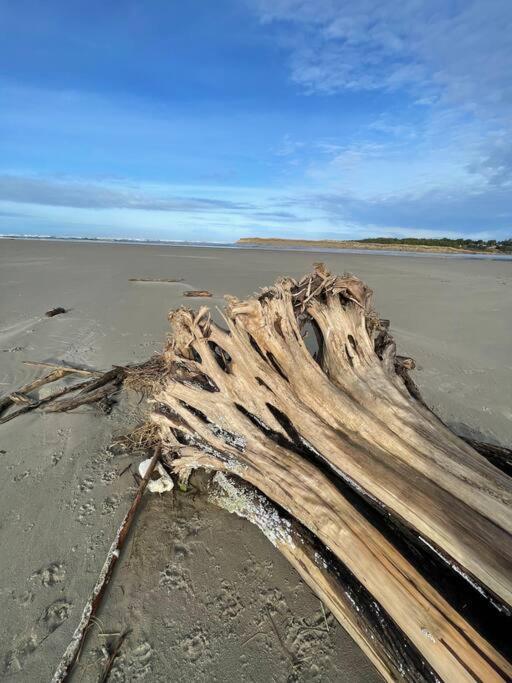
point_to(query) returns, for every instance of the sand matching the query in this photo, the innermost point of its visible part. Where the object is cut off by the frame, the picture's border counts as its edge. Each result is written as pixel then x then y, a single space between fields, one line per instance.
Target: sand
pixel 206 595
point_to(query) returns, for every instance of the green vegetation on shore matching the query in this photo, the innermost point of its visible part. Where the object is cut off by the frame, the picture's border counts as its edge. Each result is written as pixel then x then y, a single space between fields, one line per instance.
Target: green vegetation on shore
pixel 442 245
pixel 457 243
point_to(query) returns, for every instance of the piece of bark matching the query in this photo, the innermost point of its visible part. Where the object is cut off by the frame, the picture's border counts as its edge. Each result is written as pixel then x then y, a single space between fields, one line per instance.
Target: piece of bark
pixel 252 400
pixel 55 311
pixel 197 293
pixel 72 651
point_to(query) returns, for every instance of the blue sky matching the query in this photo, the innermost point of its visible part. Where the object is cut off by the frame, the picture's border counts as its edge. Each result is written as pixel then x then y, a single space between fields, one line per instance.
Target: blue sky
pixel 211 121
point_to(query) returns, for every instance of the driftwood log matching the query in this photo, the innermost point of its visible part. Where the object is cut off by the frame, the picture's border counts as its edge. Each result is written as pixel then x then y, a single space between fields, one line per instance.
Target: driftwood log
pixel 400 526
pixel 197 293
pixel 339 439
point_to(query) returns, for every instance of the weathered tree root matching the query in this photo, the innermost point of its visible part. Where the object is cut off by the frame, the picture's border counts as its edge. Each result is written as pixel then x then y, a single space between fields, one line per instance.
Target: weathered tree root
pixel 253 401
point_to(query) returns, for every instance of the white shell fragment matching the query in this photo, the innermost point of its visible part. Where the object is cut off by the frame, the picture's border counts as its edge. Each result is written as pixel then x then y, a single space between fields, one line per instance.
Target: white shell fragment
pixel 162 484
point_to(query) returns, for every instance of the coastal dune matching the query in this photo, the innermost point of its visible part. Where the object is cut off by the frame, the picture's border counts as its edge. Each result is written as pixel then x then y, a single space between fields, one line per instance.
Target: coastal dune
pixel 204 594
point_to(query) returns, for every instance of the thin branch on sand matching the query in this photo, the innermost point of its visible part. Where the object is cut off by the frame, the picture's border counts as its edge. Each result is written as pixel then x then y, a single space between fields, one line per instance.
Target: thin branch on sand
pixel 72 652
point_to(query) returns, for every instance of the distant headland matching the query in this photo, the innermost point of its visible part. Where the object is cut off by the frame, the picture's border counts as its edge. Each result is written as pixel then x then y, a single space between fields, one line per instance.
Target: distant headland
pixel 417 244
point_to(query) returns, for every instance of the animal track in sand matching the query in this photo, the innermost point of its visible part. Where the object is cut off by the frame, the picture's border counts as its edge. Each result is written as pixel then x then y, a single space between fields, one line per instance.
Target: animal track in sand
pixel 86 485
pixel 53 617
pixel 110 505
pixel 24 599
pixel 195 646
pixel 14 660
pixel 56 614
pixel 21 476
pixel 56 457
pixel 51 575
pixel 273 599
pixel 85 511
pixel 181 552
pixel 133 664
pixel 228 602
pixel 175 577
pixel 108 477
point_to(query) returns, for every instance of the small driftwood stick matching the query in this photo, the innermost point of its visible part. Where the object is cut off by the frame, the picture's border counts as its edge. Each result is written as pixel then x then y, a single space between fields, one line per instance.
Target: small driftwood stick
pixel 73 650
pixel 113 654
pixel 43 401
pixel 95 390
pixel 7 400
pixel 85 397
pixel 65 368
pixel 55 311
pixel 117 374
pixel 91 391
pixel 22 399
pixel 154 279
pixel 197 293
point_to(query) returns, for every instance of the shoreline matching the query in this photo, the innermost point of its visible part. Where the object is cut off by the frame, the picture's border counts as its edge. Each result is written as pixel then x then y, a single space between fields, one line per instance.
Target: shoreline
pixel 299 246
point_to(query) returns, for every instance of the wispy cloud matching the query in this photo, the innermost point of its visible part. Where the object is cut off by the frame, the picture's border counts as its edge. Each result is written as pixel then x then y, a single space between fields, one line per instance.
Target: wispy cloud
pixel 438 157
pixel 433 212
pixel 80 194
pixel 459 50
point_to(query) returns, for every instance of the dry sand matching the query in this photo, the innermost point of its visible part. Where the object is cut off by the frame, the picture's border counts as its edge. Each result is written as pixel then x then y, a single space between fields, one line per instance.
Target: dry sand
pixel 205 594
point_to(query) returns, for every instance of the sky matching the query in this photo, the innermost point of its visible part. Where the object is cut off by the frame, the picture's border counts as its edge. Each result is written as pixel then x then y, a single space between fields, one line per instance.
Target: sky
pixel 211 121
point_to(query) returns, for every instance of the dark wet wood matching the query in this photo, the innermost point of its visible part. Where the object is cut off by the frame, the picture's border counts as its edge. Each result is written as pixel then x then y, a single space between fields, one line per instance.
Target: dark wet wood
pixel 55 311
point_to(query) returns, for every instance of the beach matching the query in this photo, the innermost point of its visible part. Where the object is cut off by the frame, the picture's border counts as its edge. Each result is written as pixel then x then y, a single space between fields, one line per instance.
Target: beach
pixel 205 595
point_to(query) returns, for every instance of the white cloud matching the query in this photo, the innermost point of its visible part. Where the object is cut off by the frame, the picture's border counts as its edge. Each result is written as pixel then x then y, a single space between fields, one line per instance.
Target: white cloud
pixel 459 49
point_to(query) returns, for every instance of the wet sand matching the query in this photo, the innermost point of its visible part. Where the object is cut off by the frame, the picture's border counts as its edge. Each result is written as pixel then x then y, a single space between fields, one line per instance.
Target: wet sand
pixel 204 593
